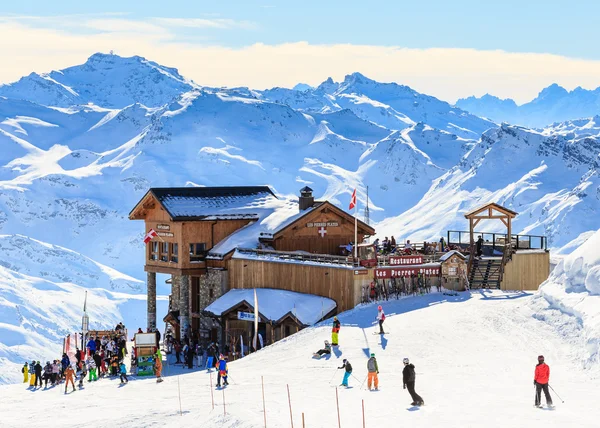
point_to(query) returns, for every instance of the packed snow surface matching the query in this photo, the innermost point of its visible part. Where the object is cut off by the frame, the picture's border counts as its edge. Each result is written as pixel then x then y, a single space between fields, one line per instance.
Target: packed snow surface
pixel 474 355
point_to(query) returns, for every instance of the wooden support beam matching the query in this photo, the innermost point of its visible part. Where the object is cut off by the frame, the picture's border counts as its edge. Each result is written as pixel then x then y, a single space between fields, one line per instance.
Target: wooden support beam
pixel 476 222
pixel 488 217
pixel 503 220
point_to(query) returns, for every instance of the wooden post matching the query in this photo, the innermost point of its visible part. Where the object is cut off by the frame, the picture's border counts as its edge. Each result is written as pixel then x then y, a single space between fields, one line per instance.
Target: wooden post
pixel 290 403
pixel 363 411
pixel 337 404
pixel 151 284
pixel 303 420
pixel 212 397
pixel 262 381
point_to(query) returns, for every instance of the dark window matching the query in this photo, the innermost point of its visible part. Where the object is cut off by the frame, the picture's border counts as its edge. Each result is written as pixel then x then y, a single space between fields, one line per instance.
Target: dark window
pixel 210 292
pixel 164 251
pixel 175 252
pixel 197 252
pixel 153 251
pixel 287 331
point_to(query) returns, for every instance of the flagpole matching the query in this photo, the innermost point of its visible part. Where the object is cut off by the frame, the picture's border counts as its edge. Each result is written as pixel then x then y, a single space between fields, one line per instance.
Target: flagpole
pixel 356 231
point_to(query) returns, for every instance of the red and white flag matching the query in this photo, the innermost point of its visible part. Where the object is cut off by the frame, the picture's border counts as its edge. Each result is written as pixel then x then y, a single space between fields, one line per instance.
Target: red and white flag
pixel 151 234
pixel 353 200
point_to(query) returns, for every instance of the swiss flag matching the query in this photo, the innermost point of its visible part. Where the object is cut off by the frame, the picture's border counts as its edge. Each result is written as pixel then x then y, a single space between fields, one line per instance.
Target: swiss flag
pixel 353 200
pixel 151 234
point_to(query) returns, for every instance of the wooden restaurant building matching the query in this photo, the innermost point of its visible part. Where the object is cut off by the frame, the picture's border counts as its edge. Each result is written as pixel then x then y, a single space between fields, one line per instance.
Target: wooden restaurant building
pixel 215 239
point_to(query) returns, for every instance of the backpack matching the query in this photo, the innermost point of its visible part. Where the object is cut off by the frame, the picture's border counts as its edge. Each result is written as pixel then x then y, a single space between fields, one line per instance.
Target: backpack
pixel 371 365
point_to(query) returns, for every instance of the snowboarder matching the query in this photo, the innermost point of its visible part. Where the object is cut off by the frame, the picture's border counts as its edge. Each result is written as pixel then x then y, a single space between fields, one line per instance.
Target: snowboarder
pixel 373 370
pixel 380 318
pixel 38 374
pixel 25 371
pixel 32 374
pixel 69 376
pixel 540 380
pixel 335 331
pixel 123 371
pixel 346 365
pixel 326 350
pixel 408 380
pixel 158 366
pixel 223 370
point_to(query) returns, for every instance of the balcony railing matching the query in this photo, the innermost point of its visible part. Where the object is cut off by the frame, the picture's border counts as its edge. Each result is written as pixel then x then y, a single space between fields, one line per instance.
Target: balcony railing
pixel 498 240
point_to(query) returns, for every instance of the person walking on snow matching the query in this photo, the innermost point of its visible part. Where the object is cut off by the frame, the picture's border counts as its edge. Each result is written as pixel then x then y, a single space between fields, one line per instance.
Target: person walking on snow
pixel 408 380
pixel 25 371
pixel 380 318
pixel 91 345
pixel 373 370
pixel 38 374
pixel 32 374
pixel 91 366
pixel 540 380
pixel 70 377
pixel 123 372
pixel 346 365
pixel 158 366
pixel 47 374
pixel 335 331
pixel 223 370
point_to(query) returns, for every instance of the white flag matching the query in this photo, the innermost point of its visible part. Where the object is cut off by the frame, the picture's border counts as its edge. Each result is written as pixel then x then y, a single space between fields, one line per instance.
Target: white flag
pixel 255 320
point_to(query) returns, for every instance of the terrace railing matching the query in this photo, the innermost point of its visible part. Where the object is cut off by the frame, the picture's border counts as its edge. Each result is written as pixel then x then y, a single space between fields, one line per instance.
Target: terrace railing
pixel 499 240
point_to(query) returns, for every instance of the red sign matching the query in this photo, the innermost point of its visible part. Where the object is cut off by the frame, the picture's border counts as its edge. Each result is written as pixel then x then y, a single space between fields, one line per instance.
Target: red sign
pixel 384 273
pixel 406 260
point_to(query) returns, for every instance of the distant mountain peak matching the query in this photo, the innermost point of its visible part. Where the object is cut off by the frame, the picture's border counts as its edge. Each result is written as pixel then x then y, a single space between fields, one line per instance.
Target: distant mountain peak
pixel 552 91
pixel 303 87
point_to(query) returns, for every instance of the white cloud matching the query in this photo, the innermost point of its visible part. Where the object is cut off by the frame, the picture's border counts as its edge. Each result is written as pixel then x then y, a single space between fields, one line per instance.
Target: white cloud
pixel 217 23
pixel 445 73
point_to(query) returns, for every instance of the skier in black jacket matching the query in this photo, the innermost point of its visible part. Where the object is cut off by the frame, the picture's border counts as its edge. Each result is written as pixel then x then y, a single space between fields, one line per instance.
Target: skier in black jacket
pixel 346 365
pixel 38 374
pixel 408 378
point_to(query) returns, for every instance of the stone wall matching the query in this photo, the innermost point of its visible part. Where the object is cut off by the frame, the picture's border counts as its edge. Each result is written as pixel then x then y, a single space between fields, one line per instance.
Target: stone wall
pixel 212 286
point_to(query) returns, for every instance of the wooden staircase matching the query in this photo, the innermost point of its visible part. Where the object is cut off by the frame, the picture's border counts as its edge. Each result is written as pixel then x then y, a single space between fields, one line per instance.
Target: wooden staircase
pixel 485 273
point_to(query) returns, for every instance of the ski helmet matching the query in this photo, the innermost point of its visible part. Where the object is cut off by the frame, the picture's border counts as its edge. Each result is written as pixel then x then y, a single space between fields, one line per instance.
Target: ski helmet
pixel 327 342
pixel 372 354
pixel 344 361
pixel 379 308
pixel 405 361
pixel 541 358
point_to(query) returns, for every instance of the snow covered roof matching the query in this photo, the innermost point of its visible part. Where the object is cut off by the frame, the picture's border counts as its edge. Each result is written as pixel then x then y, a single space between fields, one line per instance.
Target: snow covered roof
pixel 450 253
pixel 212 203
pixel 274 304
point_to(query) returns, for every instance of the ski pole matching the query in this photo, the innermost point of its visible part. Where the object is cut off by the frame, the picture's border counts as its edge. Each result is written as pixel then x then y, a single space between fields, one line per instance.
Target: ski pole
pixel 363 382
pixel 556 393
pixel 333 375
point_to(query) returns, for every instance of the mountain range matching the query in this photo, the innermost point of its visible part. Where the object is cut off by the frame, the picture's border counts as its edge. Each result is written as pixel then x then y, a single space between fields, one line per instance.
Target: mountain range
pixel 82 145
pixel 553 104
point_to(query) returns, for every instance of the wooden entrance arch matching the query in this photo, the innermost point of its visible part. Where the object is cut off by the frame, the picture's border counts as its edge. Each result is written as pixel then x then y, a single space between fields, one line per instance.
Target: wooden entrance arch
pixel 487 212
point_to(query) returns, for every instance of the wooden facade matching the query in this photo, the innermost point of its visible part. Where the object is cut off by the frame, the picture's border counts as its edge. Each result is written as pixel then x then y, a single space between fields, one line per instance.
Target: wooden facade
pixel 526 270
pixel 338 283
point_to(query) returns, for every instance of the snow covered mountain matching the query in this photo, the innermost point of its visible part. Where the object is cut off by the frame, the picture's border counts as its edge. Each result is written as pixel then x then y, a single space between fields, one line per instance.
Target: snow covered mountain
pixel 81 146
pixel 553 104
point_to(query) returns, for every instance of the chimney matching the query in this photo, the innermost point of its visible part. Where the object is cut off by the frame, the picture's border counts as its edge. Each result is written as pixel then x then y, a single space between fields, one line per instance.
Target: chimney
pixel 306 198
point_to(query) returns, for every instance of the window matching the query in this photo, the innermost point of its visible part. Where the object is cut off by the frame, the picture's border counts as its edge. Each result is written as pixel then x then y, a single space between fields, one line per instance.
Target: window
pixel 164 251
pixel 175 252
pixel 210 293
pixel 153 250
pixel 197 252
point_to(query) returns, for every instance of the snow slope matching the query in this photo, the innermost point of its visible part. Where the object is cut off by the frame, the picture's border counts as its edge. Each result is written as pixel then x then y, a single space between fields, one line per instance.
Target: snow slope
pixel 474 356
pixel 553 104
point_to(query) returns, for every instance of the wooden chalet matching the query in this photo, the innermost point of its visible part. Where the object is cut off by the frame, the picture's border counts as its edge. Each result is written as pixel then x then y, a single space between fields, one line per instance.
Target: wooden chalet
pixel 199 231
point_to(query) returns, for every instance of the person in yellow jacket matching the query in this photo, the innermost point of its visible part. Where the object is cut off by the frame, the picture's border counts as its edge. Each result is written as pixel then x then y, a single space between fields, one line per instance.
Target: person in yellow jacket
pixel 25 371
pixel 32 373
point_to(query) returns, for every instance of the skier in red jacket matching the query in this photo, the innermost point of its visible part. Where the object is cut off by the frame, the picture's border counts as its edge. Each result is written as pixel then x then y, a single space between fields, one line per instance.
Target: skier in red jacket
pixel 540 380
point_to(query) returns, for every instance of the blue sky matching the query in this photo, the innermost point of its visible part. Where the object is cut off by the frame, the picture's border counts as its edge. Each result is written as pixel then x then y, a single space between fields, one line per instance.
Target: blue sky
pixel 556 28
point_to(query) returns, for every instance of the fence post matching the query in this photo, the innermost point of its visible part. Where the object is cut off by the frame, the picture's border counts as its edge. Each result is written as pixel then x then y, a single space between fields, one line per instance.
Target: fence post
pixel 363 412
pixel 263 396
pixel 290 402
pixel 337 404
pixel 212 397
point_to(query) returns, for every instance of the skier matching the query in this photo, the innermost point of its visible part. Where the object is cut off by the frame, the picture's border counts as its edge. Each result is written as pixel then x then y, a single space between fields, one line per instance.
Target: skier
pixel 540 380
pixel 373 370
pixel 408 380
pixel 123 371
pixel 335 331
pixel 158 366
pixel 91 366
pixel 326 350
pixel 47 373
pixel 38 374
pixel 223 370
pixel 69 376
pixel 380 318
pixel 25 371
pixel 32 374
pixel 346 365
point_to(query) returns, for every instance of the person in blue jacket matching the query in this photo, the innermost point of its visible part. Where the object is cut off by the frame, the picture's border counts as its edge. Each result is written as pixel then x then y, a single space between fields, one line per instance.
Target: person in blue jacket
pixel 123 372
pixel 65 362
pixel 91 345
pixel 222 367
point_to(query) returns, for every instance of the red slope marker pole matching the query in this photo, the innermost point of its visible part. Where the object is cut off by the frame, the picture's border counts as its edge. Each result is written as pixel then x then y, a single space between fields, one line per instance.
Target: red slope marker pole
pixel 290 402
pixel 212 397
pixel 224 402
pixel 262 381
pixel 363 411
pixel 337 404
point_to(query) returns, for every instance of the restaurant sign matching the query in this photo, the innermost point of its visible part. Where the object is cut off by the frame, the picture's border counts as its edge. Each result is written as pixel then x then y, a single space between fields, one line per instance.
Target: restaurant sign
pixel 384 273
pixel 163 226
pixel 406 260
pixel 323 224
